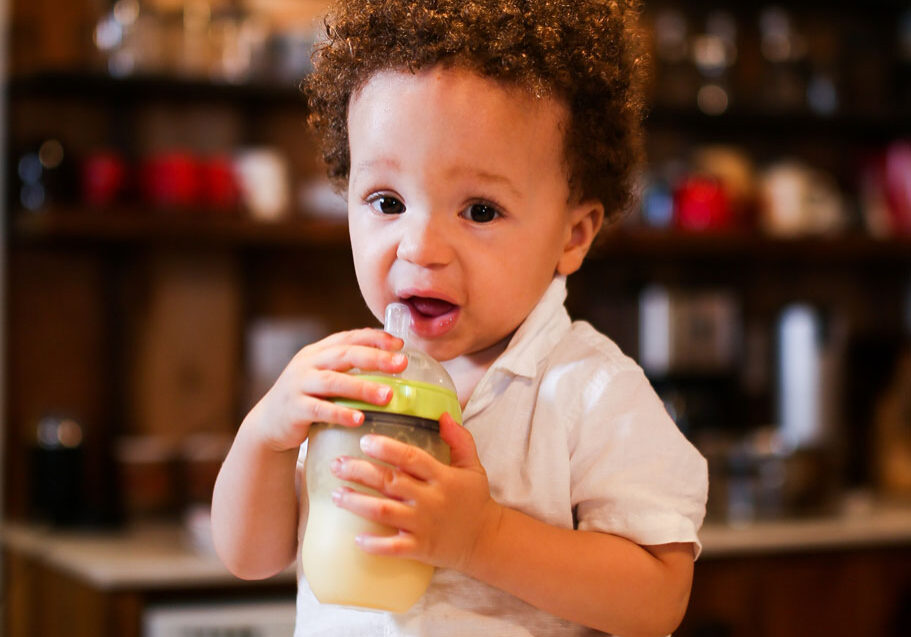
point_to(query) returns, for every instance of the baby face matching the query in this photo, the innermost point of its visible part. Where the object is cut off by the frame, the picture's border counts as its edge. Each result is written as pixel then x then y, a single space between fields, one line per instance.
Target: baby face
pixel 458 204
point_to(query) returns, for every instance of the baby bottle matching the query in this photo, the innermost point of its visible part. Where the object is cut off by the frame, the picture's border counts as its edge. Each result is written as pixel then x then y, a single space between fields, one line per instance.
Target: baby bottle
pixel 337 569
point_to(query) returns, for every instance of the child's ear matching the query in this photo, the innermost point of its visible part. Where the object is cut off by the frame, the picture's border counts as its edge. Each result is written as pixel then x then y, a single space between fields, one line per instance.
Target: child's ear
pixel 585 221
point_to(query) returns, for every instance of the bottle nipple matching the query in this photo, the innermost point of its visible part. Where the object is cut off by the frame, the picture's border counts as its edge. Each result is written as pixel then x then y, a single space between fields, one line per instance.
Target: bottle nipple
pixel 398 320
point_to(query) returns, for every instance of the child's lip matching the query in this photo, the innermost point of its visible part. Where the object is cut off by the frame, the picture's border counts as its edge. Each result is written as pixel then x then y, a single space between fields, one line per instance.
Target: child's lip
pixel 406 294
pixel 426 326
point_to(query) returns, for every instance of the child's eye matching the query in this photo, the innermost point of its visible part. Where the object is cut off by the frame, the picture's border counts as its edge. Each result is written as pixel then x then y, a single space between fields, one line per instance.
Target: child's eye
pixel 387 205
pixel 481 213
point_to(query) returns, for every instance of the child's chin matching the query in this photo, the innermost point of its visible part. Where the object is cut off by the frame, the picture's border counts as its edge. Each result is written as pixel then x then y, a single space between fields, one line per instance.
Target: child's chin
pixel 438 348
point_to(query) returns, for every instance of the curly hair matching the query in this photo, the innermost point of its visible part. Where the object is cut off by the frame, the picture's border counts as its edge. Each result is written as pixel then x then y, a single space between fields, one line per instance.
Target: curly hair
pixel 586 53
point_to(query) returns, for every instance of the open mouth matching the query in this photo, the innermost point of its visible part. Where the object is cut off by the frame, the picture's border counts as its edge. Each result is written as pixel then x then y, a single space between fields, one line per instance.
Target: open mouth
pixel 431 317
pixel 429 307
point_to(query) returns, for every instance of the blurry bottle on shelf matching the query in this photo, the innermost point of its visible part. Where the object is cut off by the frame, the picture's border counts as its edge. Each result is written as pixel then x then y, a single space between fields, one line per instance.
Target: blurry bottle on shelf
pixel 132 38
pixel 220 40
pixel 657 201
pixel 677 79
pixel 892 421
pixel 57 464
pixel 43 175
pixel 885 191
pixel 714 53
pixel 784 50
pixel 733 168
pixel 239 41
pixel 688 332
pixel 800 388
pixel 689 344
pixel 824 83
pixel 796 199
pixel 264 181
pixel 892 448
pixel 793 466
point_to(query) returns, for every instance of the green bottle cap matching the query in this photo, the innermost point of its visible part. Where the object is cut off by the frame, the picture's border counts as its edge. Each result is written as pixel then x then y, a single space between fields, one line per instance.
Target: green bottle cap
pixel 412 398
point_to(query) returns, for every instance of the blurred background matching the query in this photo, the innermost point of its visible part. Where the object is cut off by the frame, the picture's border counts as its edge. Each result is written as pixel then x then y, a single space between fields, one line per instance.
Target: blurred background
pixel 169 242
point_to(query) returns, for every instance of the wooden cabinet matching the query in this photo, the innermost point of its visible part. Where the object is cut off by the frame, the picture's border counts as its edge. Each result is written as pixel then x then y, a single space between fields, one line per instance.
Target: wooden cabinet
pixel 42 601
pixel 839 593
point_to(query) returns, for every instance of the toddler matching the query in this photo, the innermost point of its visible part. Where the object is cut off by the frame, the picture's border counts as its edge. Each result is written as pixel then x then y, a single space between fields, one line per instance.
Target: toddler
pixel 482 145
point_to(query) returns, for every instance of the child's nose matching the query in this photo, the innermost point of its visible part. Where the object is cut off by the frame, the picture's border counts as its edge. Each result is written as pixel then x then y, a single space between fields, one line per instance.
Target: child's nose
pixel 424 242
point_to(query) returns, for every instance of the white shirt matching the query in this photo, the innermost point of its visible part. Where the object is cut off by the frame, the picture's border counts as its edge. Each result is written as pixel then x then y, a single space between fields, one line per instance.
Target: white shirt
pixel 570 432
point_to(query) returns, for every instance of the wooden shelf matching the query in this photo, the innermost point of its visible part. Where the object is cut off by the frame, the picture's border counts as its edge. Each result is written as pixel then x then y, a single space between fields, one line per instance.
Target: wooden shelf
pixel 629 242
pixel 745 122
pixel 99 86
pixel 740 120
pixel 128 226
pixel 132 226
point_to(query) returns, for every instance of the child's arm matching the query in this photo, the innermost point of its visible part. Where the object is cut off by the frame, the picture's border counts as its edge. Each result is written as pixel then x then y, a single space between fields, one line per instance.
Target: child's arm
pixel 255 504
pixel 447 518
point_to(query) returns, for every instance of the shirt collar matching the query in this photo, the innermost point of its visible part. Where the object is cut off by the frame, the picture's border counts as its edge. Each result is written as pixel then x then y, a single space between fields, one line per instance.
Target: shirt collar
pixel 539 332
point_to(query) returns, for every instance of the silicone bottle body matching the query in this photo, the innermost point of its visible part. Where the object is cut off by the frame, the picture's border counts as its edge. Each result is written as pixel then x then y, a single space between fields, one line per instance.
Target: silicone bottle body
pixel 337 570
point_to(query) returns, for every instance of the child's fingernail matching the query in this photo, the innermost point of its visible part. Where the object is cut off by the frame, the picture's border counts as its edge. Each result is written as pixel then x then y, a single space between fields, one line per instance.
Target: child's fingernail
pixel 337 495
pixel 336 465
pixel 367 444
pixel 357 418
pixel 384 394
pixel 399 359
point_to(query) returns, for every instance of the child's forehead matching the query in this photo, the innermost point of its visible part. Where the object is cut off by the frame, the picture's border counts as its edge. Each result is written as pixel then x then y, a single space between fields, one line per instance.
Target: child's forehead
pixel 451 81
pixel 456 126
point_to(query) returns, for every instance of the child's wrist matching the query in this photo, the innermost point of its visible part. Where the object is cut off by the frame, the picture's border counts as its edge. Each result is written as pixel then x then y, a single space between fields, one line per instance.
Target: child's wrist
pixel 253 430
pixel 484 549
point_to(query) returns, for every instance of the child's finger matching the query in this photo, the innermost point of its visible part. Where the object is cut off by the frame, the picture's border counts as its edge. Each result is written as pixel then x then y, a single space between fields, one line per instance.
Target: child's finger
pixel 389 481
pixel 401 544
pixel 385 511
pixel 370 336
pixel 310 409
pixel 463 452
pixel 344 357
pixel 408 458
pixel 330 384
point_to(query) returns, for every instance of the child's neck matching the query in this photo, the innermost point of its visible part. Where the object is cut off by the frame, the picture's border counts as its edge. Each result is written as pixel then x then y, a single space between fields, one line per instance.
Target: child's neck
pixel 467 370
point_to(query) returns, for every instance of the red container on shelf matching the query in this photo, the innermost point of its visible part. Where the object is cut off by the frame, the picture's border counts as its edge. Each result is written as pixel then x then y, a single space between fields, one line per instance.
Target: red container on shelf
pixel 701 204
pixel 219 189
pixel 104 177
pixel 171 180
pixel 897 185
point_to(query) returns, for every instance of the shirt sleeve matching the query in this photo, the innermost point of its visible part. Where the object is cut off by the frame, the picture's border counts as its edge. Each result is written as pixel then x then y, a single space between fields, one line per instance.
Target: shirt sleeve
pixel 634 474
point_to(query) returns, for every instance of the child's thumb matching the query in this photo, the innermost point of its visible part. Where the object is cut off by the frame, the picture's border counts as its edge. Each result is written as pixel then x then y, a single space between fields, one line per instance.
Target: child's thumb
pixel 463 452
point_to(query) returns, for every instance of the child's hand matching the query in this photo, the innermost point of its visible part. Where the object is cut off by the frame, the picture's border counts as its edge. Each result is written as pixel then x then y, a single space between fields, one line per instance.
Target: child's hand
pixel 299 397
pixel 442 512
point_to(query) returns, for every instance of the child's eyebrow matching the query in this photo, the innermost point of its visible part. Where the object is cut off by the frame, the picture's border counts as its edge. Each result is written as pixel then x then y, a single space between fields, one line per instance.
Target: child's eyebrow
pixel 391 164
pixel 483 175
pixel 387 163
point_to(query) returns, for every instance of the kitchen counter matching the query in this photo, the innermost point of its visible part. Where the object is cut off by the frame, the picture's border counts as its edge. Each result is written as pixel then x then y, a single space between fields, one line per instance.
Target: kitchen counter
pixel 158 556
pixel 143 556
pixel 867 527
